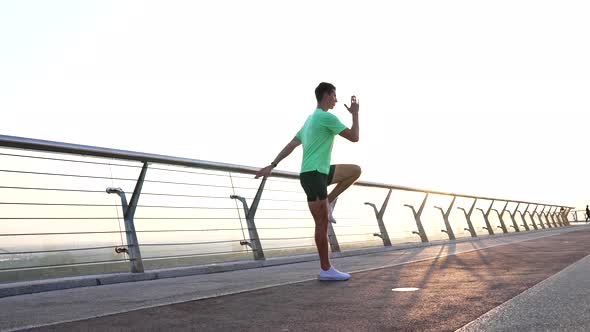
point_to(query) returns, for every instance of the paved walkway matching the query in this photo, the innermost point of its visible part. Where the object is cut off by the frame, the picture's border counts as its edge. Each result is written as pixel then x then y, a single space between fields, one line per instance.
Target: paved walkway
pixel 559 303
pixel 457 283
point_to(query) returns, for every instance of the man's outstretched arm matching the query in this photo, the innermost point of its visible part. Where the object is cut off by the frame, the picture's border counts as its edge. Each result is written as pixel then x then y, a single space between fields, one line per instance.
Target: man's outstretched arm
pixel 295 142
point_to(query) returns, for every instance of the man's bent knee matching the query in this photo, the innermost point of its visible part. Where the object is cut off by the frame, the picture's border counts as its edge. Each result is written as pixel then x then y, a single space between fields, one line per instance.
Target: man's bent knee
pixel 346 172
pixel 354 172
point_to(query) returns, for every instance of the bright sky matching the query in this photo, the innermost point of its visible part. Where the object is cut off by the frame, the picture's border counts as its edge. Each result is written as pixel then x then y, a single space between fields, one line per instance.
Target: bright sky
pixel 474 97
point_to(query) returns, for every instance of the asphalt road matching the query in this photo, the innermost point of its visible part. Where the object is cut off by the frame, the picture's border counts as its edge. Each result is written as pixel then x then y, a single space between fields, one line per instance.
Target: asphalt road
pixel 453 291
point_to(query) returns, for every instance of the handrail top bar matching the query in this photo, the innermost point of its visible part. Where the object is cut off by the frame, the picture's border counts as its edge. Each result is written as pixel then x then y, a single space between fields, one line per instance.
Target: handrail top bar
pixel 69 148
pixel 388 186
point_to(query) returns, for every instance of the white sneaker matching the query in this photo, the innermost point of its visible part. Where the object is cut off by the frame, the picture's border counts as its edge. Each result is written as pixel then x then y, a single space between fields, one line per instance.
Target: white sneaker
pixel 333 275
pixel 331 209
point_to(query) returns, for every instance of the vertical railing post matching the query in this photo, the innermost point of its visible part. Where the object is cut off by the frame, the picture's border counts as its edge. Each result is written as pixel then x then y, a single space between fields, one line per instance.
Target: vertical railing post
pixel 135 261
pixel 250 213
pixel 552 216
pixel 514 224
pixel 547 216
pixel 557 214
pixel 501 217
pixel 544 214
pixel 524 224
pixel 513 216
pixel 487 220
pixel 531 215
pixel 523 216
pixel 379 214
pixel 550 220
pixel 560 217
pixel 566 215
pixel 417 216
pixel 468 218
pixel 449 229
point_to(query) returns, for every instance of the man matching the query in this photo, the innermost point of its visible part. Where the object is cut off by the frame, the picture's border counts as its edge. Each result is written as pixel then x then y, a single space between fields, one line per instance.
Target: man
pixel 317 137
pixel 587 213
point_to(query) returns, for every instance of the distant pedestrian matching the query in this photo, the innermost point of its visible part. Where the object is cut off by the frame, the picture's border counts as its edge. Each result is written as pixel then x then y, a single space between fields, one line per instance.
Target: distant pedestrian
pixel 587 214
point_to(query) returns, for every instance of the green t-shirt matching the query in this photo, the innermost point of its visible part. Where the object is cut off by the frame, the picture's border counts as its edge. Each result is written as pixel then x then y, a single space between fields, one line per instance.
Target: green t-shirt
pixel 317 137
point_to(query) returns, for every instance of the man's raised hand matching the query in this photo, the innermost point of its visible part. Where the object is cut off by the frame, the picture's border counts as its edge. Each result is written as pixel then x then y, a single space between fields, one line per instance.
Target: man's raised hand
pixel 354 105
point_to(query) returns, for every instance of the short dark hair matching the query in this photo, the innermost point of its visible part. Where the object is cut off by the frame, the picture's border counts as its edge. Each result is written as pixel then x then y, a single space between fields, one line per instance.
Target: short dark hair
pixel 322 89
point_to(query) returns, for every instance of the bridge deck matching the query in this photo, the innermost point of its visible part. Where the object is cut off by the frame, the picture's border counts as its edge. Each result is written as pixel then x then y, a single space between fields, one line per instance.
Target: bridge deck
pixel 458 282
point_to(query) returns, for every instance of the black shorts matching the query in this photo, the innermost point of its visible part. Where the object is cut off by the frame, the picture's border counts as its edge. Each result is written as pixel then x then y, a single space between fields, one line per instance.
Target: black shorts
pixel 315 184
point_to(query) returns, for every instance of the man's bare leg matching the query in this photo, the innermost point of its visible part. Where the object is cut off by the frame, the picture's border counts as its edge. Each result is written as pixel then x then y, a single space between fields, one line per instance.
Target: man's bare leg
pixel 344 176
pixel 319 211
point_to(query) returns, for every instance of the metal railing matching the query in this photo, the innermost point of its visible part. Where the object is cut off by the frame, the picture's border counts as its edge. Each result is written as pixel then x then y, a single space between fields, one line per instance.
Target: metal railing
pixel 87 203
pixel 578 216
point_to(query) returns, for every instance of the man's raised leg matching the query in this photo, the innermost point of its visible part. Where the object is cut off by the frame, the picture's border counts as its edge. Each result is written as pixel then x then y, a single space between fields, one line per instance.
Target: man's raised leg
pixel 344 176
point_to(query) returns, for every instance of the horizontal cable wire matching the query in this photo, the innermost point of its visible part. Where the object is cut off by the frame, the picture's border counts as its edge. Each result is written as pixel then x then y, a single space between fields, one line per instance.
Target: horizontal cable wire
pixel 68 233
pixel 139 231
pixel 186 207
pixel 66 175
pixel 404 232
pixel 308 227
pixel 283 218
pixel 59 218
pixel 273 190
pixel 362 225
pixel 146 206
pixel 114 178
pixel 292 247
pixel 366 241
pixel 187 172
pixel 68 160
pixel 115 218
pixel 279 200
pixel 55 250
pixel 359 234
pixel 289 210
pixel 349 226
pixel 104 191
pixel 110 164
pixel 185 218
pixel 196 255
pixel 55 189
pixel 58 204
pixel 146 181
pixel 187 243
pixel 270 180
pixel 293 181
pixel 285 238
pixel 142 206
pixel 119 205
pixel 191 230
pixel 24 268
pixel 186 196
